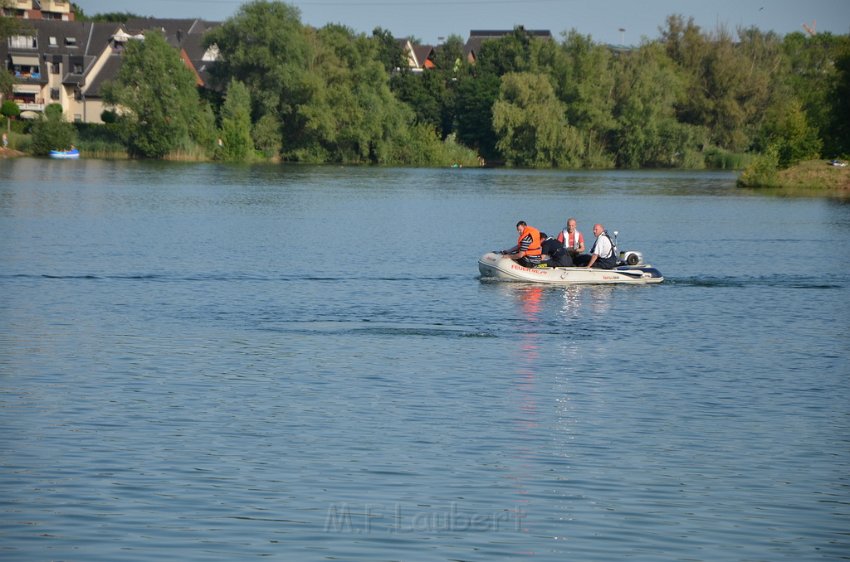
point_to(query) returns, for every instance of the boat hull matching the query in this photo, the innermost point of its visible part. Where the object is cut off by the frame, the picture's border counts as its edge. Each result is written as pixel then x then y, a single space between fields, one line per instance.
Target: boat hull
pixel 498 267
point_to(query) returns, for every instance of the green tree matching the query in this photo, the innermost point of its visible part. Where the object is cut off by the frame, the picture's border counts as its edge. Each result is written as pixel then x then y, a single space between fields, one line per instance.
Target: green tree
pixel 425 93
pixel 811 77
pixel 266 135
pixel 728 84
pixel 156 97
pixel 266 47
pixel 765 79
pixel 389 51
pixel 432 94
pixel 809 69
pixel 763 171
pixel 511 53
pixel 351 115
pixel 786 130
pixel 585 81
pixel 647 89
pixel 52 132
pixel 684 42
pixel 450 64
pixel 476 91
pixel 113 17
pixel 10 110
pixel 474 112
pixel 79 14
pixel 531 124
pixel 449 58
pixel 5 82
pixel 202 128
pixel 838 129
pixel 236 123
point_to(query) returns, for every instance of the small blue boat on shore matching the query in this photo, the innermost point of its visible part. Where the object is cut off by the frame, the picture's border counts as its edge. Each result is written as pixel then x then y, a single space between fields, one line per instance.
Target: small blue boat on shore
pixel 72 154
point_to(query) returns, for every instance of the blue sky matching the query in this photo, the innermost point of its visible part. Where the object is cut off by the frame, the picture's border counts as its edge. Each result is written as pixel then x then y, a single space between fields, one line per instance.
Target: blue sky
pixel 602 19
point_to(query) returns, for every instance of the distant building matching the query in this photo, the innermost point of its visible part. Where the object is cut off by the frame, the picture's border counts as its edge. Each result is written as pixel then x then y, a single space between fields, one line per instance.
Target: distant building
pixel 51 61
pixel 187 36
pixel 68 62
pixel 39 10
pixel 424 57
pixel 419 57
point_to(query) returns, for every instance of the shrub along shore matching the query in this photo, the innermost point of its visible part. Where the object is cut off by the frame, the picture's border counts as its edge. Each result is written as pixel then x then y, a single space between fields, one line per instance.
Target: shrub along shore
pixel 804 178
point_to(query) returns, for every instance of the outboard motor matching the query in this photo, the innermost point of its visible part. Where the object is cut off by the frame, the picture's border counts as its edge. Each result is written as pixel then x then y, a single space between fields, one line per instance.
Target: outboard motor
pixel 630 257
pixel 627 257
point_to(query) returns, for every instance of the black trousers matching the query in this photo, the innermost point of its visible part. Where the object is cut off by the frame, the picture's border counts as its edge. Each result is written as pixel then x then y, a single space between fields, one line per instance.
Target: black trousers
pixel 601 263
pixel 561 258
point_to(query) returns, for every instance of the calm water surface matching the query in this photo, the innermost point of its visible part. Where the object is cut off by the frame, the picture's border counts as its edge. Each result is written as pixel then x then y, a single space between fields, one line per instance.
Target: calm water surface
pixel 200 362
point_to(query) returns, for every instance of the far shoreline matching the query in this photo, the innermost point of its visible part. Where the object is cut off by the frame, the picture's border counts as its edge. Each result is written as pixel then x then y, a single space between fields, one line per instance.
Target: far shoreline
pixel 807 179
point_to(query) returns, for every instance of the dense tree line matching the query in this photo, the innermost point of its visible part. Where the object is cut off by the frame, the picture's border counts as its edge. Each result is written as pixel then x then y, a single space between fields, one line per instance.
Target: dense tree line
pixel 685 99
pixel 689 98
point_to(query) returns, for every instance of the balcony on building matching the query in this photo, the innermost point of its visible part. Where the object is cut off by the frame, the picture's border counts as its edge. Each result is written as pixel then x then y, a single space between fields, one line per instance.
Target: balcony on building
pixel 26 67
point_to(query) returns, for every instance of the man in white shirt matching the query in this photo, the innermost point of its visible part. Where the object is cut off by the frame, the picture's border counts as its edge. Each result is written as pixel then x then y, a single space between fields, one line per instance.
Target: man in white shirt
pixel 602 254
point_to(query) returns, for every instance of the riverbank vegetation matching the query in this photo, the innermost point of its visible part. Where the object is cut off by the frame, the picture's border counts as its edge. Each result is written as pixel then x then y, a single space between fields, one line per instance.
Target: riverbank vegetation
pixel 690 98
pixel 802 178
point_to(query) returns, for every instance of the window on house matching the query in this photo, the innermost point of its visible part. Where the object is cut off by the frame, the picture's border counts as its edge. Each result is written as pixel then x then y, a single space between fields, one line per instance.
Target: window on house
pixel 54 93
pixel 54 68
pixel 78 118
pixel 78 68
pixel 71 41
pixel 51 42
pixel 23 42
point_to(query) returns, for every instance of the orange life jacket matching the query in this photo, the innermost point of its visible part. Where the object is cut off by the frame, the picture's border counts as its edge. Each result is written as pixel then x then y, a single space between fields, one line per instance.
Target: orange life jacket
pixel 534 248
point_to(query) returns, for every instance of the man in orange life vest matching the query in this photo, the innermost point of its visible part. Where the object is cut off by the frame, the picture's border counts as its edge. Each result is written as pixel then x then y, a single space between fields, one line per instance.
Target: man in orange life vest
pixel 527 251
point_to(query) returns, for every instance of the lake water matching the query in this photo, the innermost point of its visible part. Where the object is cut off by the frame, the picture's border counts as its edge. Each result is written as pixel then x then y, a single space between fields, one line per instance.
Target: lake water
pixel 204 362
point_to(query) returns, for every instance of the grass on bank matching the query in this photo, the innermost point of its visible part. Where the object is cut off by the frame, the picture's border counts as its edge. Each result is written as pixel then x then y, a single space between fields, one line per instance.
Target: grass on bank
pixel 811 176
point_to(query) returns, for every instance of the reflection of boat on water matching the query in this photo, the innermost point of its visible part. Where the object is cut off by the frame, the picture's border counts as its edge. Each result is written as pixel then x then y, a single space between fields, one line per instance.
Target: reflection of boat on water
pixel 531 299
pixel 501 268
pixel 565 302
pixel 72 154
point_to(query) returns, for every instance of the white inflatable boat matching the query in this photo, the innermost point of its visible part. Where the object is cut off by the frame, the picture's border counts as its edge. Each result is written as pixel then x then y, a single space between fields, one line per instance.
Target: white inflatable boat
pixel 494 266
